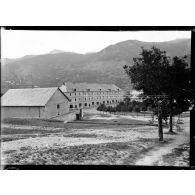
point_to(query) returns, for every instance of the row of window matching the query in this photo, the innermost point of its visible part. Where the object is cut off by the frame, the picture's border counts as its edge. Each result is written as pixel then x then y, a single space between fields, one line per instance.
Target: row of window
pixel 85 104
pixel 93 103
pixel 91 98
pixel 90 89
pixel 93 93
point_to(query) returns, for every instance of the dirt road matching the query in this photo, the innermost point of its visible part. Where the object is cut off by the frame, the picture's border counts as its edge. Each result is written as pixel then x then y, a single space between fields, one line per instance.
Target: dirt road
pixel 157 156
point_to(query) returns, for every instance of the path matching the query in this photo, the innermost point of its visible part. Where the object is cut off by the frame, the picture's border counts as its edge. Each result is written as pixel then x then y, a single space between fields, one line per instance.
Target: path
pixel 156 155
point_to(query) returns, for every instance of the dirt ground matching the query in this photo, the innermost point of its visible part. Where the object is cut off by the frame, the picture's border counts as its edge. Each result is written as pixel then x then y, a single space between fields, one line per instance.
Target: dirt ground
pixel 100 139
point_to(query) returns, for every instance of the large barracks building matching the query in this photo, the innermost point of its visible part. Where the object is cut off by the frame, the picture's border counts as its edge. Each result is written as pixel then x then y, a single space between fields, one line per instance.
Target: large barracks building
pixel 86 95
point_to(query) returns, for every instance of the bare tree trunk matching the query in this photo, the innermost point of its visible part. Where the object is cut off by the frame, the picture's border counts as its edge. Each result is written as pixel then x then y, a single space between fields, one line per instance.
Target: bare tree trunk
pixel 152 117
pixel 171 123
pixel 171 118
pixel 160 128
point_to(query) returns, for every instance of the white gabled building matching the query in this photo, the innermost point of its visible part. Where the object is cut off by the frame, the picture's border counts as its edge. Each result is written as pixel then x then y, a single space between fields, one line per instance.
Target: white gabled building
pixel 42 103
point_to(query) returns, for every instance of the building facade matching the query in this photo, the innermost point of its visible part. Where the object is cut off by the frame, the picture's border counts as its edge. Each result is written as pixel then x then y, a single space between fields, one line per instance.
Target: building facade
pixel 44 103
pixel 85 95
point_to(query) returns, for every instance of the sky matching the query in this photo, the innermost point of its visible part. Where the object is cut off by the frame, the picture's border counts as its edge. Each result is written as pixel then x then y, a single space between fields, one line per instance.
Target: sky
pixel 18 43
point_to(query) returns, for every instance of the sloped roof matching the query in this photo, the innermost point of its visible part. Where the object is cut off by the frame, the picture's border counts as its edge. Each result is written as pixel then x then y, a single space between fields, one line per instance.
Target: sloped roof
pixel 84 86
pixel 28 97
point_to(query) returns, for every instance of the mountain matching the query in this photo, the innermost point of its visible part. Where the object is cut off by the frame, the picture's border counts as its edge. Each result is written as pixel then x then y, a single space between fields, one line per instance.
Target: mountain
pixel 54 51
pixel 5 61
pixel 104 66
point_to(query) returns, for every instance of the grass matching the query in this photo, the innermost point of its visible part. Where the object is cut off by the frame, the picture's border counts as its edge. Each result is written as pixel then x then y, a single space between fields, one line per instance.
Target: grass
pixel 63 127
pixel 85 135
pixel 146 114
pixel 11 131
pixel 114 153
pixel 34 122
pixel 14 137
pixel 85 154
pixel 180 153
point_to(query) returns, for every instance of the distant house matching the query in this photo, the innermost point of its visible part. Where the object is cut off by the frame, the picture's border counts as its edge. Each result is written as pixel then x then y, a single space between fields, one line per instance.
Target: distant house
pixel 42 103
pixel 135 95
pixel 87 95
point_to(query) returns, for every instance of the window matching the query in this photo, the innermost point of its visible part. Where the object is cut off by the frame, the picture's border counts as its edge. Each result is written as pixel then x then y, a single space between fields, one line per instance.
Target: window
pixel 88 89
pixel 58 106
pixel 75 99
pixel 97 103
pixel 92 103
pixel 80 105
pixel 85 104
pixel 75 106
pixel 75 93
pixel 74 89
pixel 71 106
pixel 70 94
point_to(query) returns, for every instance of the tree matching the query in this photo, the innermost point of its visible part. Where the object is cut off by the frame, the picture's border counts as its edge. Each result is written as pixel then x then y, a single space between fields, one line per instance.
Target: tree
pixel 127 100
pixel 113 110
pixel 109 109
pixel 118 108
pixel 165 83
pixel 130 108
pixel 102 107
pixel 137 109
pixel 178 88
pixel 144 108
pixel 149 74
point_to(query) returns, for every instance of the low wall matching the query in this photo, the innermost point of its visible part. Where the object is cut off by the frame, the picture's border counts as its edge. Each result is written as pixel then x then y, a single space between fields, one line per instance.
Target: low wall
pixel 71 116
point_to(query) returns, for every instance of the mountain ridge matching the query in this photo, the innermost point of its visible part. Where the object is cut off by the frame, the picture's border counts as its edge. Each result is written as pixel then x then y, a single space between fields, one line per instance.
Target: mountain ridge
pixel 104 66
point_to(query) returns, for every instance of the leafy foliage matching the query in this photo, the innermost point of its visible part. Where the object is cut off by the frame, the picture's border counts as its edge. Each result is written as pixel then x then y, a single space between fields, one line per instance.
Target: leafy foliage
pixel 123 106
pixel 165 83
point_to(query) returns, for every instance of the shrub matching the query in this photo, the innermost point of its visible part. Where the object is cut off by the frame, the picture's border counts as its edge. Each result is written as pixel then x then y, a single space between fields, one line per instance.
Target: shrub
pixel 137 109
pixel 130 108
pixel 144 108
pixel 101 107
